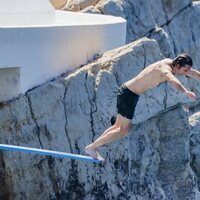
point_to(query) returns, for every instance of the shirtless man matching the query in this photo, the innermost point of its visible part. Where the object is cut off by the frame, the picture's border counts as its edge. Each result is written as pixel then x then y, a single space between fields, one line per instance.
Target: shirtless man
pixel 128 95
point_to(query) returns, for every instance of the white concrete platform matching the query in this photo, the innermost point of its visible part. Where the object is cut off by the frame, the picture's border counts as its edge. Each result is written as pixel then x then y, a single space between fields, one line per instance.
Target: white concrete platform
pixel 42 51
pixel 26 12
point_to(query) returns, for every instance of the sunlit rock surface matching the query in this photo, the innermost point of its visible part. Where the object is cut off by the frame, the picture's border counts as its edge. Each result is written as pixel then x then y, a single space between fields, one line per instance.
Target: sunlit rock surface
pixel 158 160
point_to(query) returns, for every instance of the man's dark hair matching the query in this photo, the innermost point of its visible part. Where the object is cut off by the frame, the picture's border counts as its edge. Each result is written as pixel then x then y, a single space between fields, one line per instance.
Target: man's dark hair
pixel 182 60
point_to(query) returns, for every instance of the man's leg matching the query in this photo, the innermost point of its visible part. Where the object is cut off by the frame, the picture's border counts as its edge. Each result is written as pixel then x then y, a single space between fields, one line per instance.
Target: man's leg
pixel 111 134
pixel 115 126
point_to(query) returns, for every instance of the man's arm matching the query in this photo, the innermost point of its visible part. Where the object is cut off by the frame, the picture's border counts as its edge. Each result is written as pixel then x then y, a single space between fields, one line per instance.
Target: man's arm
pixel 177 84
pixel 194 74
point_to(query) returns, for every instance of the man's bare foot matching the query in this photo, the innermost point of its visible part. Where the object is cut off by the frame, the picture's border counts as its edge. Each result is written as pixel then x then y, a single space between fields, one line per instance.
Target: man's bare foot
pixel 93 153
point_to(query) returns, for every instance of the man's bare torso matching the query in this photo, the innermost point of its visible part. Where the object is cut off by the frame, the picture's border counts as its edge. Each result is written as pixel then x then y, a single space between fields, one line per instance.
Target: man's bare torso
pixel 150 77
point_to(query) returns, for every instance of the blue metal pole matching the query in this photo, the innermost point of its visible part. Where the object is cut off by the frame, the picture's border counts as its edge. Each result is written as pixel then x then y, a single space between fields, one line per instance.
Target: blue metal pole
pixel 47 152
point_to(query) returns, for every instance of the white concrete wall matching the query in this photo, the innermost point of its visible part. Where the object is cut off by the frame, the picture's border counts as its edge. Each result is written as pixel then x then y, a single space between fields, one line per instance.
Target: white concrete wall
pixel 44 52
pixel 26 12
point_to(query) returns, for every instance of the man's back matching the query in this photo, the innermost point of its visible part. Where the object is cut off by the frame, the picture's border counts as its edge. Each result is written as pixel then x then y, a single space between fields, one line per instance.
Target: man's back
pixel 150 77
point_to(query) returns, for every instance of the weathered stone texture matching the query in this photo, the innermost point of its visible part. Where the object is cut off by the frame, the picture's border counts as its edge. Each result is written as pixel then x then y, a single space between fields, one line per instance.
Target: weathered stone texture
pixel 159 160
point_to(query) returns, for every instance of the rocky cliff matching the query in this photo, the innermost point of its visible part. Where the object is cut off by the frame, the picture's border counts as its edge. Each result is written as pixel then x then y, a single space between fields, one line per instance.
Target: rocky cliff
pixel 160 158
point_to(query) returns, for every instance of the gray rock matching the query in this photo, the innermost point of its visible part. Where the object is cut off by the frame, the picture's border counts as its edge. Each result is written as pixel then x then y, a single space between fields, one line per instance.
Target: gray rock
pixel 91 9
pixel 161 35
pixel 143 16
pixel 72 111
pixel 159 159
pixel 139 19
pixel 152 163
pixel 173 8
pixel 77 5
pixel 195 144
pixel 161 171
pixel 111 7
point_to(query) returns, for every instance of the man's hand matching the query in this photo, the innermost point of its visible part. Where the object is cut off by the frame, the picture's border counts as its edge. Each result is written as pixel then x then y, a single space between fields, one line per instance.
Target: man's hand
pixel 191 95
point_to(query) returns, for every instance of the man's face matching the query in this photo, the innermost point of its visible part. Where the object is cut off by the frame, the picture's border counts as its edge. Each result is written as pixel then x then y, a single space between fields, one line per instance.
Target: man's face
pixel 182 70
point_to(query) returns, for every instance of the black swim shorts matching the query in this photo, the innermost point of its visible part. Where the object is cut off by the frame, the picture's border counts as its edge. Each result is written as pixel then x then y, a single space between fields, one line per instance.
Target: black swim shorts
pixel 126 102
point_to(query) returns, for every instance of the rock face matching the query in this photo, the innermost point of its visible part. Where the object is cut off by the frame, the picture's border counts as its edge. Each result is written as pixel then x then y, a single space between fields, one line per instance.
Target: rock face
pixel 194 144
pixel 67 114
pixel 159 160
pixel 76 5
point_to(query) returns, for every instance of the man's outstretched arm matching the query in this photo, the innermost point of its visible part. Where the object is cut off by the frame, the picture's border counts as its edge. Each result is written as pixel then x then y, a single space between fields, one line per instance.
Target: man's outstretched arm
pixel 194 74
pixel 178 85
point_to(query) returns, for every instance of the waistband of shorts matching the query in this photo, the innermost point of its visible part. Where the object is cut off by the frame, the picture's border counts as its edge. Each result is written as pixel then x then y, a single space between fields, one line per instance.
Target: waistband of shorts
pixel 129 91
